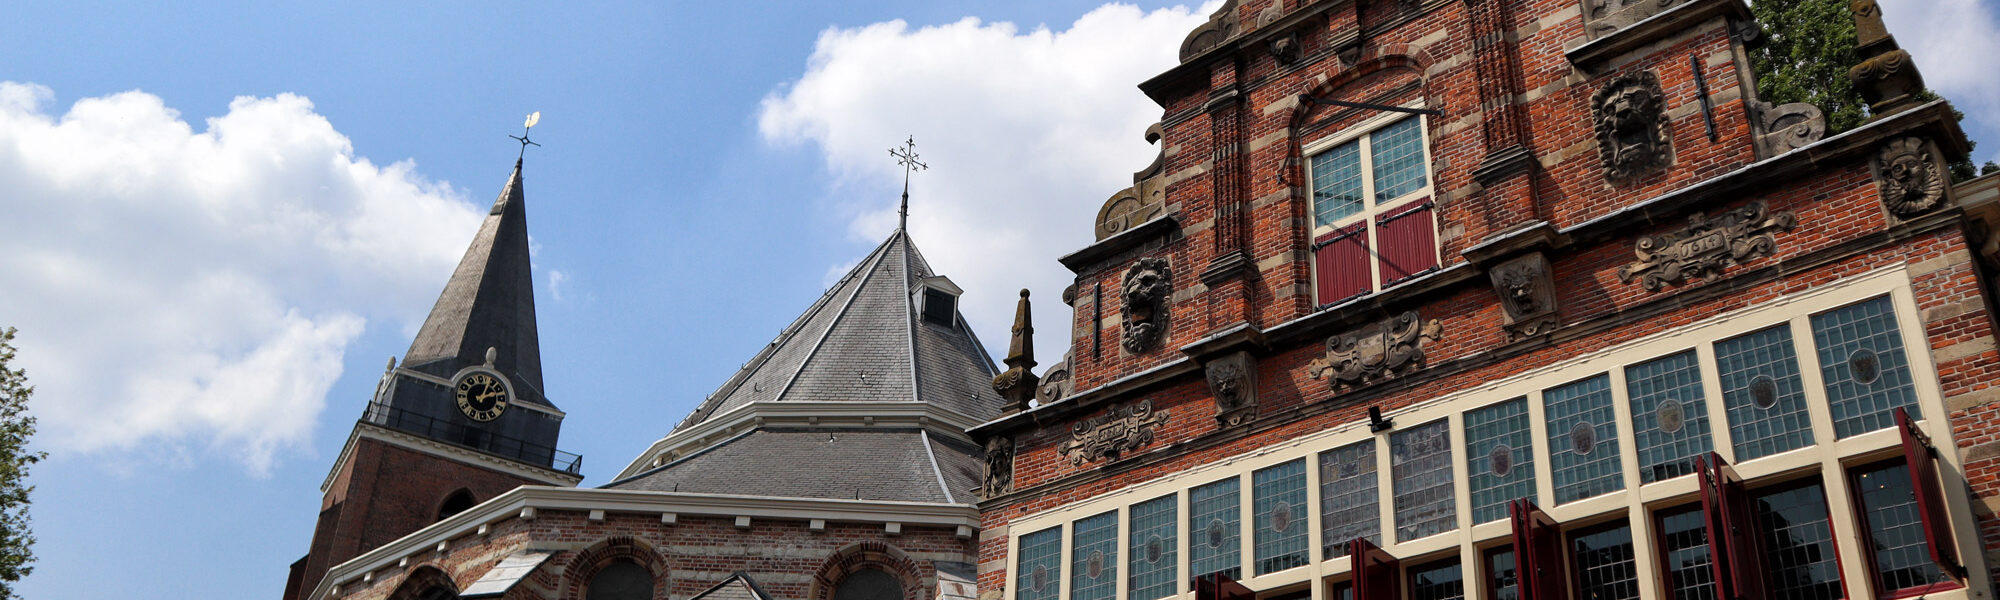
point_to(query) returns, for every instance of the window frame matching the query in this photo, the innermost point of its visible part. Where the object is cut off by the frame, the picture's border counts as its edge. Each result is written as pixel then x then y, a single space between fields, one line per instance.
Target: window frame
pixel 1362 134
pixel 1874 571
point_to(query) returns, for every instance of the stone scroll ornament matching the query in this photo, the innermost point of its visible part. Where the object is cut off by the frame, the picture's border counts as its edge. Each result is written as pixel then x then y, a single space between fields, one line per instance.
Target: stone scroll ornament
pixel 1377 351
pixel 1630 114
pixel 1706 245
pixel 1119 430
pixel 1608 16
pixel 1233 381
pixel 1147 285
pixel 1527 295
pixel 1056 383
pixel 999 477
pixel 1906 171
pixel 1786 127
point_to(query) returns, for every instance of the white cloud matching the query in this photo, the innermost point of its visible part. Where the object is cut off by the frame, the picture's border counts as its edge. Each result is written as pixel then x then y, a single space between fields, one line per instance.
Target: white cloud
pixel 556 280
pixel 1026 134
pixel 187 290
pixel 1952 41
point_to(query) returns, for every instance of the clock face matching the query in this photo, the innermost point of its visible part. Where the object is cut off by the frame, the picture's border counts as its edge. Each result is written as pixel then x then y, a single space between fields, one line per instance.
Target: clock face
pixel 481 396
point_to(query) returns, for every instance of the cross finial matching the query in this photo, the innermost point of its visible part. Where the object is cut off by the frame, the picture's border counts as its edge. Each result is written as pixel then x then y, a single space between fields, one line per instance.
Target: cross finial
pixel 533 118
pixel 907 157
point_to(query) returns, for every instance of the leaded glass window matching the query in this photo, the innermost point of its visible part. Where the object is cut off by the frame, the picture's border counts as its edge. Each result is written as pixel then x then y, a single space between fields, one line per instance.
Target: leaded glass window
pixel 1038 568
pixel 1797 544
pixel 1669 419
pixel 1420 460
pixel 1861 359
pixel 1348 505
pixel 1154 545
pixel 1215 526
pixel 1336 176
pixel 1399 159
pixel 1503 581
pixel 1439 581
pixel 1762 391
pixel 1093 557
pixel 1895 528
pixel 1604 567
pixel 1684 548
pixel 1499 461
pixel 1583 439
pixel 1279 495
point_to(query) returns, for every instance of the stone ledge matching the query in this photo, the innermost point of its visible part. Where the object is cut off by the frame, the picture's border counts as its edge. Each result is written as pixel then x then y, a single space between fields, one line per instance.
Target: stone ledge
pixel 1590 55
pixel 1089 256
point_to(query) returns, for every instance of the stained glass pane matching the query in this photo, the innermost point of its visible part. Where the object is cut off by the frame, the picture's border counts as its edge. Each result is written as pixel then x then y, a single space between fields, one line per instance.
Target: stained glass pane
pixel 1861 359
pixel 1093 553
pixel 1797 545
pixel 1348 505
pixel 1583 439
pixel 1604 564
pixel 1761 390
pixel 1895 528
pixel 1501 577
pixel 1039 566
pixel 1336 180
pixel 1684 543
pixel 1499 461
pixel 1420 460
pixel 1279 494
pixel 1437 582
pixel 1215 522
pixel 1669 418
pixel 1154 545
pixel 1399 159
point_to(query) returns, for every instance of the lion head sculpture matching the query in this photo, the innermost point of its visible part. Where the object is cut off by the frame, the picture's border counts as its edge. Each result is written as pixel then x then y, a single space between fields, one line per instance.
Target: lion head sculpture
pixel 1147 284
pixel 1631 118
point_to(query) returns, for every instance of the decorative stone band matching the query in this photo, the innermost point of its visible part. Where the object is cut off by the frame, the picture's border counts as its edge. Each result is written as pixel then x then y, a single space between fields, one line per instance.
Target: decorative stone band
pixel 1120 429
pixel 1706 245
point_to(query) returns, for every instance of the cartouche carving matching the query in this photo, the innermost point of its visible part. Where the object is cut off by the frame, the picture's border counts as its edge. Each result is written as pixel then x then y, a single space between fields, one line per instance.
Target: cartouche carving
pixel 1377 351
pixel 1119 430
pixel 1706 245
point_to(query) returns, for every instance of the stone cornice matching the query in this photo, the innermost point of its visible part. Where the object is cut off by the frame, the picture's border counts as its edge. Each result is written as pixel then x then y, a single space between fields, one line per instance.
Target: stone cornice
pixel 366 430
pixel 527 501
pixel 727 425
pixel 1082 260
pixel 1590 55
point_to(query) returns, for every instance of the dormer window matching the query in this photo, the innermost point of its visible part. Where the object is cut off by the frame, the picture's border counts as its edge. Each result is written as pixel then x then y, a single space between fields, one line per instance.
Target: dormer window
pixel 937 301
pixel 1373 225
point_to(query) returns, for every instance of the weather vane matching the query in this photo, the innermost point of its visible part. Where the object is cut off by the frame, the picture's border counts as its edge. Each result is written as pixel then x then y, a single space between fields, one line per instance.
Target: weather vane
pixel 533 118
pixel 907 158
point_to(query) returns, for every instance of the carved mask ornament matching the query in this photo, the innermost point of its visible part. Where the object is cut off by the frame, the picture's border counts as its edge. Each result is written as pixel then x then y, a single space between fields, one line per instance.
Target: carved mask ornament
pixel 1706 245
pixel 1119 430
pixel 1527 295
pixel 999 467
pixel 1907 172
pixel 1233 380
pixel 1147 285
pixel 1631 119
pixel 1376 352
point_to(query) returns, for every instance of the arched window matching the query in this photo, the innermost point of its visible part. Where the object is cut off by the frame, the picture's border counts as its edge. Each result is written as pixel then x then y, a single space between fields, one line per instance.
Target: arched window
pixel 456 503
pixel 621 580
pixel 869 584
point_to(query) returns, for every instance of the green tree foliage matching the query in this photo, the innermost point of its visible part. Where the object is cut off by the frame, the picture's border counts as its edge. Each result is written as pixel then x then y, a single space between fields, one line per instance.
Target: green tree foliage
pixel 16 540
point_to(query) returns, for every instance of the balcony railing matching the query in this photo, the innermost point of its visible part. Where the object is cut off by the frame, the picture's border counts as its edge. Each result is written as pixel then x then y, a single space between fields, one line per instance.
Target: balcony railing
pixel 472 438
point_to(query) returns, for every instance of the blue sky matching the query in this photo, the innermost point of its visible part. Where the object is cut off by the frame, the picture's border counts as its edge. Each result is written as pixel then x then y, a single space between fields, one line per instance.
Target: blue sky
pixel 228 216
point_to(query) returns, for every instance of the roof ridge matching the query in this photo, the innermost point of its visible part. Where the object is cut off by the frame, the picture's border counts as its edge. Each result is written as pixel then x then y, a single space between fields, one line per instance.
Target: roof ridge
pixel 821 342
pixel 910 322
pixel 925 434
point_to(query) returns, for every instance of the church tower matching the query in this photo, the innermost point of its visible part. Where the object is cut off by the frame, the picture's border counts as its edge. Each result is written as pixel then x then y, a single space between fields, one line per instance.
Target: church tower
pixel 464 417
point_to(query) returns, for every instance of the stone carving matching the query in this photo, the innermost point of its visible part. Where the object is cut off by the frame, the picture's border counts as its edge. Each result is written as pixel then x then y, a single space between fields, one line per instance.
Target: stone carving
pixel 1885 77
pixel 1144 201
pixel 1786 127
pixel 1120 429
pixel 1527 295
pixel 1018 383
pixel 1608 16
pixel 1706 245
pixel 1233 381
pixel 1907 173
pixel 999 477
pixel 1377 351
pixel 1056 383
pixel 1220 27
pixel 1631 118
pixel 1147 285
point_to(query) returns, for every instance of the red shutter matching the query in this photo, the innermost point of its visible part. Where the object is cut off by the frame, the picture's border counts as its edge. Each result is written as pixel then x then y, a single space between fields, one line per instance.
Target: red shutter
pixel 1930 498
pixel 1375 572
pixel 1407 241
pixel 1216 586
pixel 1538 553
pixel 1732 539
pixel 1340 264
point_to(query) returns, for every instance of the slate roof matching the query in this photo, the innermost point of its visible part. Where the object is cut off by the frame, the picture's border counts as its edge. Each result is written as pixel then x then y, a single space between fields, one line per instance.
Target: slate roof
pixel 739 586
pixel 488 303
pixel 894 464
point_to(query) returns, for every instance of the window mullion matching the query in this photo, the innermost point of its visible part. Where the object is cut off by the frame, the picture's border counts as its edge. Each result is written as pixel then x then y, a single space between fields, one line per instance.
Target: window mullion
pixel 1538 446
pixel 1315 536
pixel 1122 580
pixel 1719 439
pixel 1067 540
pixel 1368 210
pixel 1183 544
pixel 1385 493
pixel 1246 525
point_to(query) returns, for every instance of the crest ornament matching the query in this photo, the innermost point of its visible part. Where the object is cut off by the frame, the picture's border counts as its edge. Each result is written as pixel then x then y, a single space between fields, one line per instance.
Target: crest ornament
pixel 1583 438
pixel 1764 391
pixel 999 477
pixel 1706 245
pixel 1147 284
pixel 1527 295
pixel 1377 351
pixel 1233 381
pixel 1119 430
pixel 1056 383
pixel 1907 173
pixel 1631 118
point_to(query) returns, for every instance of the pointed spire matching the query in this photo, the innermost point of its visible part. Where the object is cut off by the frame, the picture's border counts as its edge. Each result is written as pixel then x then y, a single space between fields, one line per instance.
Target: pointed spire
pixel 488 304
pixel 1017 384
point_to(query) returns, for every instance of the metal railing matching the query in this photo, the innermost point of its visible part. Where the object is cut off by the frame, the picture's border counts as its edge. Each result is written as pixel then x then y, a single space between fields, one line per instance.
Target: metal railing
pixel 472 438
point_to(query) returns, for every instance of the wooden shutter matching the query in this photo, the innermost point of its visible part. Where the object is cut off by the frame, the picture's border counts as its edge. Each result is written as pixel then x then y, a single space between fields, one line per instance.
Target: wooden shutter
pixel 1406 239
pixel 1930 497
pixel 1376 575
pixel 1727 518
pixel 1538 553
pixel 1340 264
pixel 1216 586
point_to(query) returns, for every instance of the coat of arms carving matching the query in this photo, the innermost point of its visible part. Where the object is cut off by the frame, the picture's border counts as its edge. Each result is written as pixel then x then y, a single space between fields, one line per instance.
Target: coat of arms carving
pixel 1706 245
pixel 1120 429
pixel 1377 351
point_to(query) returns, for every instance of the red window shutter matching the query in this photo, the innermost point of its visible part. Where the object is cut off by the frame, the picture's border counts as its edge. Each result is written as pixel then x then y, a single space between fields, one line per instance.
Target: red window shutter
pixel 1340 263
pixel 1407 240
pixel 1732 538
pixel 1930 497
pixel 1375 572
pixel 1216 586
pixel 1538 553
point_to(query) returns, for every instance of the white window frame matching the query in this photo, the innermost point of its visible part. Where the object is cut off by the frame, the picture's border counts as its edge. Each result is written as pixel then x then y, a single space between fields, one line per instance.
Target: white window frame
pixel 1370 208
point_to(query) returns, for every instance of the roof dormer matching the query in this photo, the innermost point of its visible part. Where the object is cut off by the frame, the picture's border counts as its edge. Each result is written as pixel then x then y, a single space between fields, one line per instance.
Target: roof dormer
pixel 936 299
